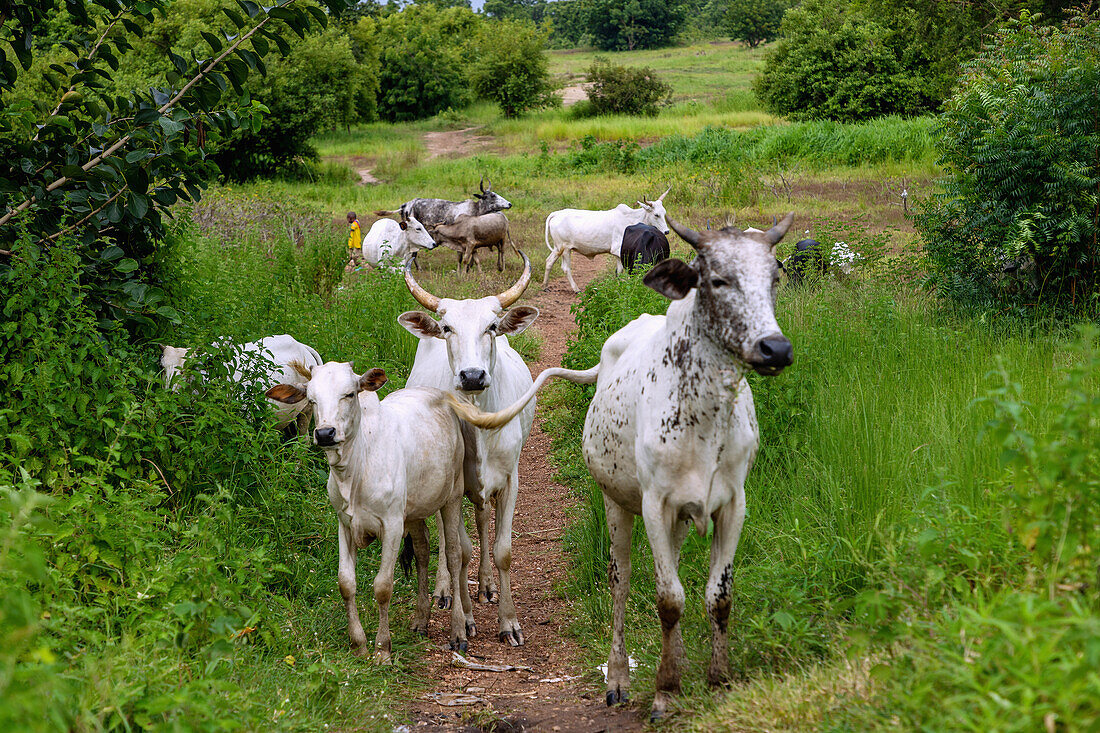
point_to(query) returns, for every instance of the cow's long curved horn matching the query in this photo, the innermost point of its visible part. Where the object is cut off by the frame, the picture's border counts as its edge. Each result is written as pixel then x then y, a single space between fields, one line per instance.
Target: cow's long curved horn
pixel 690 236
pixel 511 295
pixel 482 184
pixel 662 196
pixel 773 235
pixel 423 297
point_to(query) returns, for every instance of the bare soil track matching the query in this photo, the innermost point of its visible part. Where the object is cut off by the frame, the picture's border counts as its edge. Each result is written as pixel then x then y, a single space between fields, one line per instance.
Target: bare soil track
pixel 523 700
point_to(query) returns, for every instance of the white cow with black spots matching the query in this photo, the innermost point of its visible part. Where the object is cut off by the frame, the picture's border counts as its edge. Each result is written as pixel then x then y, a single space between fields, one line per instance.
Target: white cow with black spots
pixel 671 432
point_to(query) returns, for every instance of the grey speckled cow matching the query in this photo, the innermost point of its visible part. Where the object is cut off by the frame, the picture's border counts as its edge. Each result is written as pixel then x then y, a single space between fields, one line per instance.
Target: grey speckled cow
pixel 671 432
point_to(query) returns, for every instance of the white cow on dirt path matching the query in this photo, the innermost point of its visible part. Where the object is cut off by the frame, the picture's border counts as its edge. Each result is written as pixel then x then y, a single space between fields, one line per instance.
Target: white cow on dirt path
pixel 466 352
pixel 281 351
pixel 596 232
pixel 671 432
pixel 381 485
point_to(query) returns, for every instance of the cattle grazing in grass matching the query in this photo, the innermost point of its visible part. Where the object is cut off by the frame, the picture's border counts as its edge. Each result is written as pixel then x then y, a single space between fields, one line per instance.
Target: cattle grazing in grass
pixel 392 464
pixel 643 245
pixel 433 212
pixel 469 233
pixel 392 240
pixel 671 432
pixel 275 355
pixel 467 352
pixel 596 232
pixel 811 257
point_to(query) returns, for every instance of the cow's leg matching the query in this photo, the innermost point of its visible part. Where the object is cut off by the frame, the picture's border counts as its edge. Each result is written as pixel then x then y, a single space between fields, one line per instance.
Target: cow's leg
pixel 486 589
pixel 418 533
pixel 500 257
pixel 620 525
pixel 442 593
pixel 502 554
pixel 347 590
pixel 555 253
pixel 452 517
pixel 383 587
pixel 464 586
pixel 727 531
pixel 618 265
pixel 666 535
pixel 567 267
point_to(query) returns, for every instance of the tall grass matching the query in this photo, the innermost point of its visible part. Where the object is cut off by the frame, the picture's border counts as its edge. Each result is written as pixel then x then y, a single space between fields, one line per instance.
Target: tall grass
pixel 867 441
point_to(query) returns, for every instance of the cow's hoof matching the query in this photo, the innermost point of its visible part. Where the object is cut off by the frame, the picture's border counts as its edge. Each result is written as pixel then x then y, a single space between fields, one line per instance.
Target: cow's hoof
pixel 418 628
pixel 459 646
pixel 382 657
pixel 471 630
pixel 489 596
pixel 443 601
pixel 655 715
pixel 616 696
pixel 515 638
pixel 360 651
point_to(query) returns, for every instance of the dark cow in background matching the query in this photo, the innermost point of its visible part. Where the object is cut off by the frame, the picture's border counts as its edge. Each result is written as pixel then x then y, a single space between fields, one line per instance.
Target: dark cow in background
pixel 808 257
pixel 433 212
pixel 643 245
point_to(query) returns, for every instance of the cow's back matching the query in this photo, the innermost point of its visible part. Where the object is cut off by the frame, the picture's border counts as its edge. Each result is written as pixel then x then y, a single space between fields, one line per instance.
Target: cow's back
pixel 642 245
pixel 382 240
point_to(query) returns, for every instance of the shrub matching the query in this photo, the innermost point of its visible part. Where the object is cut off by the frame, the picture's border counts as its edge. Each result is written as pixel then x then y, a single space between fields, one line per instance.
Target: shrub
pixel 626 90
pixel 1017 221
pixel 835 62
pixel 755 21
pixel 421 61
pixel 516 74
pixel 626 26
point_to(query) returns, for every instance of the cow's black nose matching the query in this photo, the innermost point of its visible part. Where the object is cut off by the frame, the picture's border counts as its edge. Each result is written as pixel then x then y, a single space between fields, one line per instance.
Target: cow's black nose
pixel 473 379
pixel 325 436
pixel 774 351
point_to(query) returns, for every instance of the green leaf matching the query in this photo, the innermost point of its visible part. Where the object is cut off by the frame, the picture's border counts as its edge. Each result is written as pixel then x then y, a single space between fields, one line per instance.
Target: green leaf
pixel 139 205
pixel 127 265
pixel 215 42
pixel 111 253
pixel 169 313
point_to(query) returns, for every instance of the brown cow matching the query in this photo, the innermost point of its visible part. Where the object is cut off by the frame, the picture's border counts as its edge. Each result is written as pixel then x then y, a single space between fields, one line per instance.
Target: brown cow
pixel 470 233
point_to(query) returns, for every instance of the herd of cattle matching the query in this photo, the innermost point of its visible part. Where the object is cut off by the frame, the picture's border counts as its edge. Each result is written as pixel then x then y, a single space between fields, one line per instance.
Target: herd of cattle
pixel 670 434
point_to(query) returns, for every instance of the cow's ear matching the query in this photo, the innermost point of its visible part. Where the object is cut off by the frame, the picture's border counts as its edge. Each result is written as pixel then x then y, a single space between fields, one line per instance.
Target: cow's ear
pixel 517 320
pixel 673 279
pixel 420 324
pixel 373 379
pixel 404 225
pixel 286 393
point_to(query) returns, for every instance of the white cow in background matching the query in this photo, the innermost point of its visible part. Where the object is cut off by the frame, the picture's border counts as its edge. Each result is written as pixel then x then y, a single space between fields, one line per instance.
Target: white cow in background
pixel 467 352
pixel 281 351
pixel 392 240
pixel 671 432
pixel 596 232
pixel 382 486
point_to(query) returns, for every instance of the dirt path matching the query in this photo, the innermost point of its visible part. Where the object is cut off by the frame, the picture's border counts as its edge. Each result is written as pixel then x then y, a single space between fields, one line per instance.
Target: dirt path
pixel 456 143
pixel 522 700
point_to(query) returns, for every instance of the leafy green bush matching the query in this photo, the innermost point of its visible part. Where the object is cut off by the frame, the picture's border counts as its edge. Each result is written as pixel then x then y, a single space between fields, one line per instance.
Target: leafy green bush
pixel 422 61
pixel 755 21
pixel 836 62
pixel 1017 221
pixel 625 90
pixel 516 74
pixel 627 26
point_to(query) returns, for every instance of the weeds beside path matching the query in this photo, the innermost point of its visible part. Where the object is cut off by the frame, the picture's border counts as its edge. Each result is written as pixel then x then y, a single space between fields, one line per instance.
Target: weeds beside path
pixel 522 700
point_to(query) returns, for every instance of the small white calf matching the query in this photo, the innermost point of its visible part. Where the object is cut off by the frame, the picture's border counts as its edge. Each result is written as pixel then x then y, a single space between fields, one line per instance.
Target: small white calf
pixel 392 240
pixel 392 464
pixel 280 351
pixel 596 232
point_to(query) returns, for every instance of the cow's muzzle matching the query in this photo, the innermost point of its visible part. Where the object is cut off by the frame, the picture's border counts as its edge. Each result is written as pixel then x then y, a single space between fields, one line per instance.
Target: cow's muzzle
pixel 772 354
pixel 473 380
pixel 325 436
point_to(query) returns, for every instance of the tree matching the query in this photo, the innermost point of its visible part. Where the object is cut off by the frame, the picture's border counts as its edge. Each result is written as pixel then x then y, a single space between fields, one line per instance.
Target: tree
pixel 422 61
pixel 98 168
pixel 515 74
pixel 834 62
pixel 626 25
pixel 532 10
pixel 1019 216
pixel 568 23
pixel 754 21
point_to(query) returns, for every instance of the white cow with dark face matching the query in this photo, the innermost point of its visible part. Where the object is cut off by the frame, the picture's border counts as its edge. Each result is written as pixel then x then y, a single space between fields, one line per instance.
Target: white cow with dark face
pixel 381 486
pixel 280 351
pixel 596 232
pixel 467 352
pixel 671 432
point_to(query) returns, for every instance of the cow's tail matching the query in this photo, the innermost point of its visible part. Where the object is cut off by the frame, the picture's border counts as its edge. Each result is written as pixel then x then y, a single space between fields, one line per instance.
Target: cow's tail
pixel 383 212
pixel 490 420
pixel 546 232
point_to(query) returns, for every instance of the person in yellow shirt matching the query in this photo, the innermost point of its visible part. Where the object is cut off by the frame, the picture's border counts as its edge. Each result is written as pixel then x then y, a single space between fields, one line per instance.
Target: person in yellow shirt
pixel 355 240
